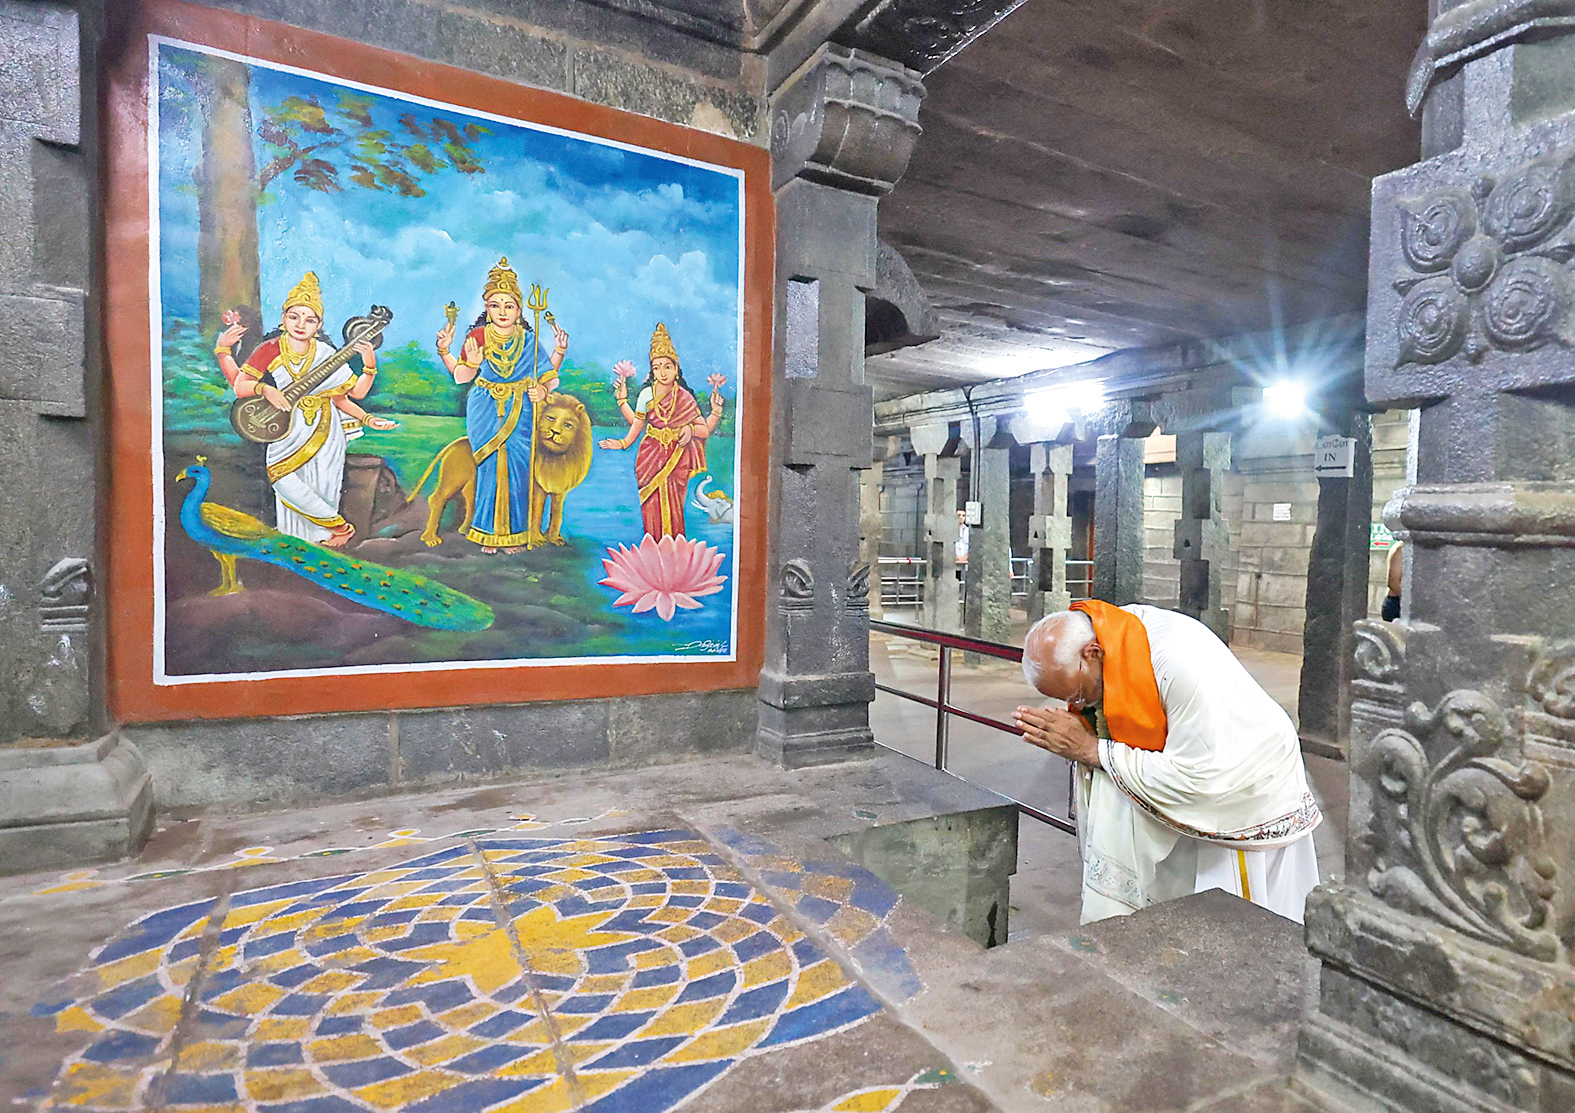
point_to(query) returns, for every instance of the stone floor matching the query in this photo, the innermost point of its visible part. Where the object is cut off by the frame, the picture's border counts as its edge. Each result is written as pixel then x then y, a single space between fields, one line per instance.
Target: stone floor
pixel 682 936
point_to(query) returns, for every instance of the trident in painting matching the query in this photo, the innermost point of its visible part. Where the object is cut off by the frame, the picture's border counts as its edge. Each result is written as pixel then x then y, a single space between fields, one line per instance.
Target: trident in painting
pixel 537 304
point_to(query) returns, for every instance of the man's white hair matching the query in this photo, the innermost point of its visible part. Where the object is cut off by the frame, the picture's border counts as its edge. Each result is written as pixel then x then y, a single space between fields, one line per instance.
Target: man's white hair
pixel 1063 636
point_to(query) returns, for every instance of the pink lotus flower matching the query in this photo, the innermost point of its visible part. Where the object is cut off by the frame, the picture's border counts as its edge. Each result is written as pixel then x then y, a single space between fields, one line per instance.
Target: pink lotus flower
pixel 623 369
pixel 232 317
pixel 664 575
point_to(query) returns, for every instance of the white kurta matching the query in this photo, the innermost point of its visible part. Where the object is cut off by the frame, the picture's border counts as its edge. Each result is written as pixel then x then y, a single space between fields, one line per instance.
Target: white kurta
pixel 1225 805
pixel 307 494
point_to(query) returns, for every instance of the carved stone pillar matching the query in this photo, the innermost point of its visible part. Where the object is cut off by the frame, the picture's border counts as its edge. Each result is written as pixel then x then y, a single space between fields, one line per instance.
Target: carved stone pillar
pixel 1118 520
pixel 1447 979
pixel 1049 530
pixel 942 471
pixel 64 798
pixel 1337 572
pixel 987 579
pixel 842 132
pixel 1202 537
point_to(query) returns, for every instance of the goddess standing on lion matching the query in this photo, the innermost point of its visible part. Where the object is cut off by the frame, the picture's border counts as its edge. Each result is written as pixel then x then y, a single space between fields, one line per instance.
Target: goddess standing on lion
pixel 673 446
pixel 497 359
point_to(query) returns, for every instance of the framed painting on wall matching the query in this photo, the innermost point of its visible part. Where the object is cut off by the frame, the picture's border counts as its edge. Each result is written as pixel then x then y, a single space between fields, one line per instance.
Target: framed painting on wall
pixel 425 388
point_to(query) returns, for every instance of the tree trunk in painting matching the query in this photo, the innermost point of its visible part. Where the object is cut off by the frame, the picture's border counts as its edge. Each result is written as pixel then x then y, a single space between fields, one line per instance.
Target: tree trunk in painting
pixel 227 252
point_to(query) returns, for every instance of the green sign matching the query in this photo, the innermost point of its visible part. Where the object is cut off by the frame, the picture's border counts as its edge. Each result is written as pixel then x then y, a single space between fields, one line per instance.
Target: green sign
pixel 1379 536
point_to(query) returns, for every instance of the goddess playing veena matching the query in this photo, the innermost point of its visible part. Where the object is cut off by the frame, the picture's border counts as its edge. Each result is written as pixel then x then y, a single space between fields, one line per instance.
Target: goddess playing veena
pixel 307 466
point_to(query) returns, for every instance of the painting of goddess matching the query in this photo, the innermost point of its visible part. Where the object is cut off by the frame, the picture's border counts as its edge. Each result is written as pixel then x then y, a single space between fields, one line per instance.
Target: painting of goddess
pixel 511 375
pixel 306 467
pixel 673 446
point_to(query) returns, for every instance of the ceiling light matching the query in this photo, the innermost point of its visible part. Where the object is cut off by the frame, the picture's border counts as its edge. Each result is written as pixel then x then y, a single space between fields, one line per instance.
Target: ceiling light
pixel 1285 398
pixel 1049 407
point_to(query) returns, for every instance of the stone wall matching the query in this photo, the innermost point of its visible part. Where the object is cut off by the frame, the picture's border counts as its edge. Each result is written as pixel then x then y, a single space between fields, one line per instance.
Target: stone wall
pixel 1161 510
pixel 1271 568
pixel 591 51
pixel 47 546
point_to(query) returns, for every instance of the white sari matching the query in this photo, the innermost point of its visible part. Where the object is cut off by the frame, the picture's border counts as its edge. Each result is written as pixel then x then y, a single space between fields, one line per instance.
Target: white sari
pixel 307 466
pixel 1225 805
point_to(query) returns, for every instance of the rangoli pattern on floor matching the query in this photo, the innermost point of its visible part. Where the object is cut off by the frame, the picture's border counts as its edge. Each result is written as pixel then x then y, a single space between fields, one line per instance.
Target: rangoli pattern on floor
pixel 617 973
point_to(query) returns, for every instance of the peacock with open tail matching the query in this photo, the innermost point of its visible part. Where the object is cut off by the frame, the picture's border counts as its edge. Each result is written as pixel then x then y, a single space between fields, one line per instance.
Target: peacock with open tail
pixel 231 535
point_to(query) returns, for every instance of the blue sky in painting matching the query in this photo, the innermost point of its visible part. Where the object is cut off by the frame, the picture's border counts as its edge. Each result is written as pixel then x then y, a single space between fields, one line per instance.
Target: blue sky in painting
pixel 622 239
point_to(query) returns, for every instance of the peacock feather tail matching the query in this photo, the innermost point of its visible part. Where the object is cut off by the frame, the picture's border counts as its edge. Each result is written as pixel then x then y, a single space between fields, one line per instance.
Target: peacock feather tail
pixel 231 535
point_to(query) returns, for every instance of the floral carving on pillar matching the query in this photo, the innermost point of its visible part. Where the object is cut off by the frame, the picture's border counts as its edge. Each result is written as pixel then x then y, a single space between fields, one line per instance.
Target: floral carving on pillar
pixel 1463 841
pixel 797 586
pixel 1488 265
pixel 1380 650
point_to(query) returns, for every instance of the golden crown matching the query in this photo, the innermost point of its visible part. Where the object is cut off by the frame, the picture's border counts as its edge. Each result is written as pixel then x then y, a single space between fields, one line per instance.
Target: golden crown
pixel 662 344
pixel 501 279
pixel 305 292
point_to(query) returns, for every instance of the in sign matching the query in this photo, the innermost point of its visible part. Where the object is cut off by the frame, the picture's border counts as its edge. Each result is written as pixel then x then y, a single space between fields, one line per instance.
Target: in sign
pixel 1334 457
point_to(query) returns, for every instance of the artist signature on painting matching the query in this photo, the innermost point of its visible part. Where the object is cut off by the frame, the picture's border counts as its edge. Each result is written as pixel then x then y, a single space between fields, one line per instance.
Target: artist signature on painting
pixel 701 647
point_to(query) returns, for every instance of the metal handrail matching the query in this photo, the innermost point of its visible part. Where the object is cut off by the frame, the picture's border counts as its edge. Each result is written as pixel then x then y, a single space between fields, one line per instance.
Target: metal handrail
pixel 944 707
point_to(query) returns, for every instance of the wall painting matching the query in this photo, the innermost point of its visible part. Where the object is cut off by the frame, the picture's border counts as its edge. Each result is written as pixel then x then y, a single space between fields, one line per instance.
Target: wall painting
pixel 447 390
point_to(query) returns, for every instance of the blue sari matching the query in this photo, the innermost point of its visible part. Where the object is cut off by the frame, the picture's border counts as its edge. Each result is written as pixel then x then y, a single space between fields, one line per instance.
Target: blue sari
pixel 499 420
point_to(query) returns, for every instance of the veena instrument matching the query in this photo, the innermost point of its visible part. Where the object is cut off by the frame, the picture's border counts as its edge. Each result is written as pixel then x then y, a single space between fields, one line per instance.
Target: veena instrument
pixel 257 420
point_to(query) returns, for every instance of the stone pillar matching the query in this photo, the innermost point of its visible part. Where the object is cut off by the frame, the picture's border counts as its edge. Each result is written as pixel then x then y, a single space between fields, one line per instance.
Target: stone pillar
pixel 942 470
pixel 987 580
pixel 1118 520
pixel 65 798
pixel 1447 981
pixel 1202 537
pixel 1049 530
pixel 1336 592
pixel 871 523
pixel 843 130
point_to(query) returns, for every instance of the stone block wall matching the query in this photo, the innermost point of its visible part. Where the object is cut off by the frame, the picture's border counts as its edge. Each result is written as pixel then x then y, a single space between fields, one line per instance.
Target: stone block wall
pixel 47 448
pixel 596 52
pixel 1271 556
pixel 1161 509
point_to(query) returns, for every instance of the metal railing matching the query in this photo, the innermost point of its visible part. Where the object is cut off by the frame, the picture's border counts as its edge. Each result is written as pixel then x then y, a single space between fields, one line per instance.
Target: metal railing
pixel 906 587
pixel 944 708
pixel 1080 586
pixel 1022 576
pixel 902 579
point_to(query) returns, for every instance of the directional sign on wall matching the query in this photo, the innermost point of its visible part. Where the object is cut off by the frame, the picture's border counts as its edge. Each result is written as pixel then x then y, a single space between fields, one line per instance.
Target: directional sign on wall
pixel 1334 457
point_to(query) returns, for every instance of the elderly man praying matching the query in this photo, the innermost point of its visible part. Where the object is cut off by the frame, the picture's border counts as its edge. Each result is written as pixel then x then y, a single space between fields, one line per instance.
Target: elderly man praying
pixel 1190 776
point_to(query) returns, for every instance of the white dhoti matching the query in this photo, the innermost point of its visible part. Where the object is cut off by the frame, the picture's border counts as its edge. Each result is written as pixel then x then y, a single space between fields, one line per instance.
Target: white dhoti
pixel 1131 860
pixel 1225 805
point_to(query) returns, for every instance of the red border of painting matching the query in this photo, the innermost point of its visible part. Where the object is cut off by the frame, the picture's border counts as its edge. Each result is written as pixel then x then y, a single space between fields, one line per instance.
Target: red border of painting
pixel 133 697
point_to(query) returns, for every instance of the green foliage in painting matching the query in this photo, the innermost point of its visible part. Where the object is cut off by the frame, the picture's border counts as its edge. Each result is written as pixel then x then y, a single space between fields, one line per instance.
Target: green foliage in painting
pixel 323 146
pixel 411 380
pixel 196 396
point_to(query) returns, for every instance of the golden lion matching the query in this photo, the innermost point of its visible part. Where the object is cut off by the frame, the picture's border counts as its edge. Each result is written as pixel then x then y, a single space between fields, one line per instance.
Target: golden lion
pixel 563 460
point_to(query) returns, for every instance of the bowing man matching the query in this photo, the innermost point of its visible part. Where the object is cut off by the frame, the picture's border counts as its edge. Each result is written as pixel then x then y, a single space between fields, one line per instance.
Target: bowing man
pixel 1190 776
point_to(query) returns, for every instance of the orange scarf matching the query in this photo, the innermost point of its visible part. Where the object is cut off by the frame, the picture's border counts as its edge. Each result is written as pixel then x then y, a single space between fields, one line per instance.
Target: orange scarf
pixel 1131 704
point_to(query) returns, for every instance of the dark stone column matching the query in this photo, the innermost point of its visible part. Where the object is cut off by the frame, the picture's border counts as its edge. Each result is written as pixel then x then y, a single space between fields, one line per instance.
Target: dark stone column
pixel 65 798
pixel 842 133
pixel 1049 530
pixel 1118 520
pixel 987 580
pixel 1202 537
pixel 1336 594
pixel 1447 978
